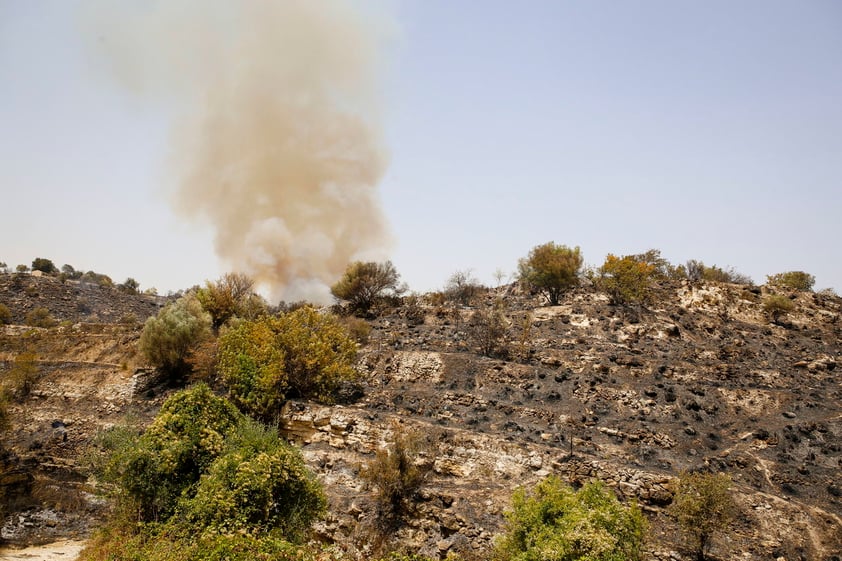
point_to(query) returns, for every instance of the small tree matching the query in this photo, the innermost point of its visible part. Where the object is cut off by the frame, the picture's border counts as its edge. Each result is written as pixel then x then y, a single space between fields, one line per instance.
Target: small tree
pixel 227 297
pixel 22 268
pixel 487 329
pixel 5 314
pixel 44 265
pixel 21 377
pixel 796 280
pixel 551 270
pixel 703 507
pixel 555 523
pixel 625 279
pixel 363 284
pixel 167 339
pixel 40 317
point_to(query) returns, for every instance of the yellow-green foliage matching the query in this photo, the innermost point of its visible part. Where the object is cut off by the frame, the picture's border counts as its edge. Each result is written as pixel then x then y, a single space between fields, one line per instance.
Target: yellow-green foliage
pixel 167 339
pixel 777 305
pixel 555 523
pixel 703 506
pixel 551 269
pixel 5 314
pixel 625 279
pixel 205 483
pixel 230 296
pixel 364 283
pixel 796 280
pixel 304 353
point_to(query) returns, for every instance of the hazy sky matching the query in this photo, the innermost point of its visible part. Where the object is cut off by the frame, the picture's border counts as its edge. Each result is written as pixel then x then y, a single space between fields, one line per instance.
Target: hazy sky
pixel 710 130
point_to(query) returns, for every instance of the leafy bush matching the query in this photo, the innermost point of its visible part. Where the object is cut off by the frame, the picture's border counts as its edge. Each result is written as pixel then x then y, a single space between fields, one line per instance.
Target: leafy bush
pixel 168 338
pixel 551 270
pixel 698 271
pixel 205 483
pixel 258 484
pixel 5 314
pixel 796 280
pixel 703 506
pixel 304 353
pixel 625 279
pixel 129 286
pixel 40 317
pixel 397 472
pixel 777 306
pixel 365 284
pixel 44 265
pixel 5 417
pixel 358 329
pixel 555 523
pixel 178 447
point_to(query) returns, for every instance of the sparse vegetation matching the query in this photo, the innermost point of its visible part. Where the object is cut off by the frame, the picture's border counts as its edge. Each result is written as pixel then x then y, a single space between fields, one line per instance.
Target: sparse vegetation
pixel 462 287
pixel 555 523
pixel 703 507
pixel 364 284
pixel 44 265
pixel 795 280
pixel 397 471
pixel 698 271
pixel 487 329
pixel 5 314
pixel 21 378
pixel 551 270
pixel 228 297
pixel 777 306
pixel 129 286
pixel 40 317
pixel 167 339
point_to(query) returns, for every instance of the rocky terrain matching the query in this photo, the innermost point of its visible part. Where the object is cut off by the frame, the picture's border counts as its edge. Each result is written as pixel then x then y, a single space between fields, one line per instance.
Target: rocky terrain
pixel 699 379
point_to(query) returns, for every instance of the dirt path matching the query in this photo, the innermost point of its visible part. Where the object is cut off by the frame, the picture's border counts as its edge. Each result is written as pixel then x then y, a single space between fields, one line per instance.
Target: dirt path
pixel 67 550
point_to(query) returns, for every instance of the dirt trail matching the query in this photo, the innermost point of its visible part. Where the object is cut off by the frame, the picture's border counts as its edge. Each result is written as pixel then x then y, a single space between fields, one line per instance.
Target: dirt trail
pixel 66 550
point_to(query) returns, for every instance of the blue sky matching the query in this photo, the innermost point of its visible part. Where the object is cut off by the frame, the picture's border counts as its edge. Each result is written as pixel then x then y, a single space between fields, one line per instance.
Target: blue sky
pixel 710 130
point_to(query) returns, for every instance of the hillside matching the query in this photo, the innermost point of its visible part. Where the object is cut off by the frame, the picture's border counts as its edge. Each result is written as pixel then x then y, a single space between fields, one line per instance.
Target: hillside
pixel 700 378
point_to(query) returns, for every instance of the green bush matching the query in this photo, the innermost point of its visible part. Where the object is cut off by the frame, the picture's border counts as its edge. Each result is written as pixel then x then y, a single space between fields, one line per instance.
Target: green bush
pixel 129 286
pixel 625 279
pixel 365 284
pixel 167 339
pixel 777 306
pixel 555 523
pixel 178 447
pixel 205 483
pixel 259 484
pixel 703 507
pixel 796 280
pixel 487 329
pixel 304 353
pixel 40 317
pixel 230 296
pixel 698 271
pixel 551 270
pixel 44 265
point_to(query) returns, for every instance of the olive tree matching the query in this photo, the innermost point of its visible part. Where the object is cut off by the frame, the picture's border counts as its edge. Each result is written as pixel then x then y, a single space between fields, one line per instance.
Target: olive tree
pixel 703 507
pixel 551 269
pixel 364 283
pixel 168 338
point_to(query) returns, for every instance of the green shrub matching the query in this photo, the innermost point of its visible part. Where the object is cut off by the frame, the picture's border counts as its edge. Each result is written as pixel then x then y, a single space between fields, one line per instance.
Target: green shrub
pixel 551 270
pixel 698 271
pixel 40 317
pixel 129 286
pixel 625 279
pixel 796 280
pixel 555 523
pixel 397 472
pixel 358 329
pixel 365 284
pixel 5 416
pixel 168 338
pixel 703 507
pixel 777 306
pixel 259 484
pixel 305 353
pixel 487 329
pixel 5 314
pixel 44 265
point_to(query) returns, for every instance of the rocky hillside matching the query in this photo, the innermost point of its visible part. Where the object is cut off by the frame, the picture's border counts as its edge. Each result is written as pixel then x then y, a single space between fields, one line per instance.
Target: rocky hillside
pixel 699 379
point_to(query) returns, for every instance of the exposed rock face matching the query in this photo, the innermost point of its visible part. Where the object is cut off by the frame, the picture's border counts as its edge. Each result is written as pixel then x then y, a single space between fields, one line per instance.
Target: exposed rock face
pixel 699 380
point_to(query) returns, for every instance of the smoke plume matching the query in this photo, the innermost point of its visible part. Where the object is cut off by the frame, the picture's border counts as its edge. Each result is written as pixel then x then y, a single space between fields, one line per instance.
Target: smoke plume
pixel 275 143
